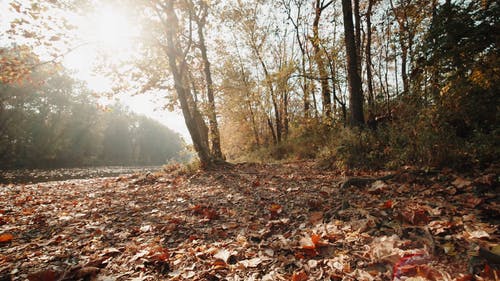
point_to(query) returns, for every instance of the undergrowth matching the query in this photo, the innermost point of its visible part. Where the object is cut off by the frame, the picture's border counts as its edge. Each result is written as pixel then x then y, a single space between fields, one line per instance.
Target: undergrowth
pixel 422 142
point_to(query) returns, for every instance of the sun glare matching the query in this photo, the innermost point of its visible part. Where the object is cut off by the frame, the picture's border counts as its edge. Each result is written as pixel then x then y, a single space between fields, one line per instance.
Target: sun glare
pixel 112 28
pixel 109 31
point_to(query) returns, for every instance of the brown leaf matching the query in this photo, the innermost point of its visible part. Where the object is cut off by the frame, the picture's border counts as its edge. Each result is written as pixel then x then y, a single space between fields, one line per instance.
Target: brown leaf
pixel 16 7
pixel 461 183
pixel 316 217
pixel 44 275
pixel 415 215
pixel 88 271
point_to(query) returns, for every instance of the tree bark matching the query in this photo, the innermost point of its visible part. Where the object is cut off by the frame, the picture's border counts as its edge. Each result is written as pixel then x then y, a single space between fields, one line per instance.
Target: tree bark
pixel 405 43
pixel 193 119
pixel 305 82
pixel 357 33
pixel 318 58
pixel 248 100
pixel 368 57
pixel 269 83
pixel 212 117
pixel 354 79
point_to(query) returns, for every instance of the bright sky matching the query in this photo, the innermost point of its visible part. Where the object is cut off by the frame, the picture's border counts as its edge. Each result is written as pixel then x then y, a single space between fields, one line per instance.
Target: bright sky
pixel 109 29
pixel 112 32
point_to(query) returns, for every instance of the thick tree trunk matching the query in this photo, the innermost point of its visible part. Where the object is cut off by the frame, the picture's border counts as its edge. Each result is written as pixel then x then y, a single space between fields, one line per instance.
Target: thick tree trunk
pixel 354 79
pixel 194 121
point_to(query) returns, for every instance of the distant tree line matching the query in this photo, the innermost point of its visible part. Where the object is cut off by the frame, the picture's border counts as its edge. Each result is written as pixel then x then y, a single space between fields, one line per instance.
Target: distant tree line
pixel 58 123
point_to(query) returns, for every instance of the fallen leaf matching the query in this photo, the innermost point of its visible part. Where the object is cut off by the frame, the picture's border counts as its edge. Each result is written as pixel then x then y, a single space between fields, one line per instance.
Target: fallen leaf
pixel 251 262
pixel 377 186
pixel 300 276
pixel 6 237
pixel 44 275
pixel 461 182
pixel 275 208
pixel 146 228
pixel 388 204
pixel 316 217
pixel 449 249
pixel 86 272
pixel 478 234
pixel 306 243
pixel 223 255
pixel 409 265
pixel 415 215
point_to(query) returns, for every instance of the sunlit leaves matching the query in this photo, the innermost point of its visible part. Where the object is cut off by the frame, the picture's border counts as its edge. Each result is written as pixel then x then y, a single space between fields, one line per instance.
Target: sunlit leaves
pixel 16 64
pixel 16 6
pixel 40 28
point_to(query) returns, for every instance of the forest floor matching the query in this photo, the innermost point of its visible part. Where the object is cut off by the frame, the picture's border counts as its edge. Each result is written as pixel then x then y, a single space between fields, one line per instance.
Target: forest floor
pixel 290 221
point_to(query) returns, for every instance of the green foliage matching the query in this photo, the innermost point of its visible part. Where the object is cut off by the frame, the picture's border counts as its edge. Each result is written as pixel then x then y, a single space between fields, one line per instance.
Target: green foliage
pixel 60 124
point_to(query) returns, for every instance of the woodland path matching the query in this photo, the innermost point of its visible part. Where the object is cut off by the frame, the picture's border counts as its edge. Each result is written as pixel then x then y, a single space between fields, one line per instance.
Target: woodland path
pixel 252 222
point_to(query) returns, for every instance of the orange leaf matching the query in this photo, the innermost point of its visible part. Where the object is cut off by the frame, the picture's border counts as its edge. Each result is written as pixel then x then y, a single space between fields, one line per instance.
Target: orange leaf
pixel 315 238
pixel 219 263
pixel 301 276
pixel 6 237
pixel 388 204
pixel 275 208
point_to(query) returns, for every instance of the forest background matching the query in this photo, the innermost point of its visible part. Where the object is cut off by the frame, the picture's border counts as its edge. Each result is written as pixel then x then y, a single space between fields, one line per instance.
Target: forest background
pixel 367 83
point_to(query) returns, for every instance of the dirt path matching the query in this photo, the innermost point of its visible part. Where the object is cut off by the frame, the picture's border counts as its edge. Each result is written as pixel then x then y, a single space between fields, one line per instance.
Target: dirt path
pixel 250 222
pixel 24 176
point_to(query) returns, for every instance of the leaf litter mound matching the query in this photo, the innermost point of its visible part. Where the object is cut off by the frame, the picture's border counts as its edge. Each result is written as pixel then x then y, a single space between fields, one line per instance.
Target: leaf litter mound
pixel 253 222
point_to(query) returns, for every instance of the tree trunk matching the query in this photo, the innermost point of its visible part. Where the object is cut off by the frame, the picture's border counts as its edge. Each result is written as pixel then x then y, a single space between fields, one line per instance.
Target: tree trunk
pixel 214 129
pixel 435 68
pixel 318 58
pixel 357 33
pixel 194 121
pixel 368 57
pixel 304 81
pixel 354 79
pixel 269 83
pixel 404 59
pixel 405 44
